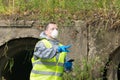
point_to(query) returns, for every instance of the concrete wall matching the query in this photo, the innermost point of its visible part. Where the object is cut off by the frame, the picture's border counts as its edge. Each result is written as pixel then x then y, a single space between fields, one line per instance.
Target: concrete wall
pixel 92 43
pixel 96 44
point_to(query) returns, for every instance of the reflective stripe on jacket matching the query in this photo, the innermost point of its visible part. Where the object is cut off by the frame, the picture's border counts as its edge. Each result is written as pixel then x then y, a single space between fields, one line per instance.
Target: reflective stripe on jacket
pixel 48 69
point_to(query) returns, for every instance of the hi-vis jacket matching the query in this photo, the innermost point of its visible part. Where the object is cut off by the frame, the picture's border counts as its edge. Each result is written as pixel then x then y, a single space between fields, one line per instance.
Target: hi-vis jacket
pixel 48 68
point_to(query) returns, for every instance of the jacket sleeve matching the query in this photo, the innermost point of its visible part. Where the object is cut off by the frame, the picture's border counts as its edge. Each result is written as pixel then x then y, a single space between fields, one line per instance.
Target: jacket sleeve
pixel 67 58
pixel 41 51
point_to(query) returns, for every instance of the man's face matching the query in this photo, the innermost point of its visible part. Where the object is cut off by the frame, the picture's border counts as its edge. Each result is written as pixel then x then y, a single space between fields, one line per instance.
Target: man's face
pixel 50 29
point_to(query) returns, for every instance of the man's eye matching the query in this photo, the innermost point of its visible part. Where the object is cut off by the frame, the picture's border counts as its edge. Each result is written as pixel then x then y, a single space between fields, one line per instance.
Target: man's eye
pixel 52 28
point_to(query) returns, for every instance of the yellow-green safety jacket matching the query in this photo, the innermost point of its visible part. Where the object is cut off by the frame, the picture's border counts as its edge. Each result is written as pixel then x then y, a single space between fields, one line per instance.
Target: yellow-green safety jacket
pixel 48 69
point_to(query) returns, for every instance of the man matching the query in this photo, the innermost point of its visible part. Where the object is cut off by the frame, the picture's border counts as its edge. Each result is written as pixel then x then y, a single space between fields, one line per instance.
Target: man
pixel 49 57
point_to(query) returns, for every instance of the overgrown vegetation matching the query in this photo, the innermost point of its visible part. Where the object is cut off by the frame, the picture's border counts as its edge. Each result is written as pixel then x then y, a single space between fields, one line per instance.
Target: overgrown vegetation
pixel 84 71
pixel 63 11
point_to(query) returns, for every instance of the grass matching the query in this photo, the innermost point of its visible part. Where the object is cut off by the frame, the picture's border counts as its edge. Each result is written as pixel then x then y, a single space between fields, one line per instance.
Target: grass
pixel 61 11
pixel 84 71
pixel 51 5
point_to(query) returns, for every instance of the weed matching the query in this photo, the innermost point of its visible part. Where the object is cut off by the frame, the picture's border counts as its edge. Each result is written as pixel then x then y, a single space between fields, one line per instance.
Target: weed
pixel 83 70
pixel 61 11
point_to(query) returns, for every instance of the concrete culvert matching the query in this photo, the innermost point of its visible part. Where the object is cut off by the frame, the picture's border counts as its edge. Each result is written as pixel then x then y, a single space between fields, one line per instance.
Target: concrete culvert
pixel 112 67
pixel 15 58
pixel 118 72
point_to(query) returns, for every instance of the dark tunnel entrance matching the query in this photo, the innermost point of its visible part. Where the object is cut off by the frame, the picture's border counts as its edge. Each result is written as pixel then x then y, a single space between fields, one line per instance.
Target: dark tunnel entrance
pixel 118 72
pixel 18 66
pixel 21 67
pixel 112 66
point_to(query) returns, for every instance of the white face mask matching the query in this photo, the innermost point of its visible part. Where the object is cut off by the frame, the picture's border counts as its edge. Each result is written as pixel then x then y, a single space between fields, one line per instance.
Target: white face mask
pixel 54 33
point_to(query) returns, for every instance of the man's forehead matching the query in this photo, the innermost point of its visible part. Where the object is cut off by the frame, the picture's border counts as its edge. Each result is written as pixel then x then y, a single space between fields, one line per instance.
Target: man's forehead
pixel 52 26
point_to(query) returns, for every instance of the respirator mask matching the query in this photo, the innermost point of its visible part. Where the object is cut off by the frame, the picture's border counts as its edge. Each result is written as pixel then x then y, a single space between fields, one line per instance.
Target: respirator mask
pixel 54 33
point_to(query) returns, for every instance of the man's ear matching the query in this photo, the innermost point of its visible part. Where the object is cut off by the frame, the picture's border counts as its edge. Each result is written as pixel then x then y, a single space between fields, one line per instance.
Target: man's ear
pixel 46 32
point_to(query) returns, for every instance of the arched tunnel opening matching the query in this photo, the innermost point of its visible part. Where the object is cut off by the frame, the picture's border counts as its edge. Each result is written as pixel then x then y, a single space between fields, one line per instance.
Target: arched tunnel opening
pixel 16 64
pixel 118 72
pixel 112 66
pixel 20 68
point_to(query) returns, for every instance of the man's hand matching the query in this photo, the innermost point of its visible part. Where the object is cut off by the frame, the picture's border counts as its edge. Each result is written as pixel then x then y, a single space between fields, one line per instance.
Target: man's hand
pixel 68 66
pixel 64 48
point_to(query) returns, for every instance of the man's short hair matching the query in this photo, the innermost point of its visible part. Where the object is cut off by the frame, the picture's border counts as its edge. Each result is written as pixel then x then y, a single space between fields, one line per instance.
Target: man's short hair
pixel 46 27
